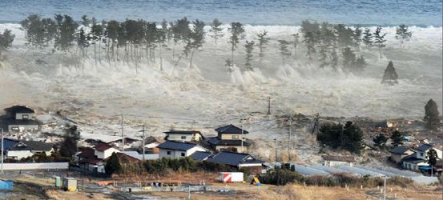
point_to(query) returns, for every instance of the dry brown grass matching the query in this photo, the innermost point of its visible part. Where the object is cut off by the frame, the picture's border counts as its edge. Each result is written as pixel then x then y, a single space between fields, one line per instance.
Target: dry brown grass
pixel 62 195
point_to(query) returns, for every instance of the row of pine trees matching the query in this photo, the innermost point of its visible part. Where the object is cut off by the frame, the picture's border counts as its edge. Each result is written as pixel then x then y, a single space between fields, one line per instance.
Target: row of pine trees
pixel 133 40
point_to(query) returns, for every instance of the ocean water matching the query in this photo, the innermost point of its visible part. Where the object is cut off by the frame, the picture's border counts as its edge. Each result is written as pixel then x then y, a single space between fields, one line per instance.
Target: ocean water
pixel 254 12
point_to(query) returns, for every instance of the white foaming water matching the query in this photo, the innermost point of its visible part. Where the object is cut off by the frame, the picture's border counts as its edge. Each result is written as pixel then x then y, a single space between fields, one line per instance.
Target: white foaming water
pixel 209 94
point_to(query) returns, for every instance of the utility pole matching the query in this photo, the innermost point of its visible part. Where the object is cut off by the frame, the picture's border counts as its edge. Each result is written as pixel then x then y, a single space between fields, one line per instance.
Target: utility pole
pixel 123 137
pixel 275 146
pixel 269 105
pixel 143 142
pixel 290 132
pixel 384 188
pixel 2 151
pixel 242 132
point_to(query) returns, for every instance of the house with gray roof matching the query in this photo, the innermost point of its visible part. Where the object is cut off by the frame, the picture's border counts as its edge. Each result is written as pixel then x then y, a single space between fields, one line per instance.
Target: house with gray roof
pixel 238 160
pixel 422 151
pixel 200 155
pixel 22 149
pixel 176 149
pixel 229 138
pixel 400 152
pixel 20 118
pixel 413 162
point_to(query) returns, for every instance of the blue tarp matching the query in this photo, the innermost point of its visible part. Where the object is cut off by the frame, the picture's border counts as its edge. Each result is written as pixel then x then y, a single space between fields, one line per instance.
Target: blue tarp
pixel 424 167
pixel 6 185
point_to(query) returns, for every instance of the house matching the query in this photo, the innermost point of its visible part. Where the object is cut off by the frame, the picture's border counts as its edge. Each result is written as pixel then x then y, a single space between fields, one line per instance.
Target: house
pixel 184 136
pixel 422 151
pixel 22 149
pixel 88 160
pixel 103 150
pixel 20 118
pixel 338 160
pixel 229 138
pixel 413 162
pixel 400 152
pixel 174 149
pixel 140 156
pixel 237 160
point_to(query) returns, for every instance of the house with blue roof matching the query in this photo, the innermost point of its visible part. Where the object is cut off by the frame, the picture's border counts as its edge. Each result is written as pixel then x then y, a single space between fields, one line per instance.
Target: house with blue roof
pixel 176 149
pixel 229 138
pixel 16 149
pixel 20 118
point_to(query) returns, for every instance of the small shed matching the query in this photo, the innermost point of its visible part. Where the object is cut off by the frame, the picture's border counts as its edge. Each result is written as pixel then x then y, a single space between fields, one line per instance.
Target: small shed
pixel 70 184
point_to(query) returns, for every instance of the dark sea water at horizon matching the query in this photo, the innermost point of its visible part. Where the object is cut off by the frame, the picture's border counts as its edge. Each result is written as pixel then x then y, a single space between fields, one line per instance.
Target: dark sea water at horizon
pixel 255 12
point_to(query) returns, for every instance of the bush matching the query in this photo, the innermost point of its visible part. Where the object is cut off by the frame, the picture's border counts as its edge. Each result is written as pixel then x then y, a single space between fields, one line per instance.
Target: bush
pixel 279 176
pixel 187 164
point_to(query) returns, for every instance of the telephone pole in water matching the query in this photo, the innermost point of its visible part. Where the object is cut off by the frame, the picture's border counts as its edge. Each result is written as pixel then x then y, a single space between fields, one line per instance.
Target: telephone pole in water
pixel 123 137
pixel 269 105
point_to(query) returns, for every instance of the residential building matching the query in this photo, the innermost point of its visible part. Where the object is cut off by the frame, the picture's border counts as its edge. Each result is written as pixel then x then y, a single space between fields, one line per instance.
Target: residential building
pixel 422 151
pixel 184 136
pixel 201 155
pixel 22 149
pixel 103 150
pixel 338 160
pixel 413 162
pixel 237 160
pixel 174 149
pixel 400 152
pixel 229 138
pixel 20 118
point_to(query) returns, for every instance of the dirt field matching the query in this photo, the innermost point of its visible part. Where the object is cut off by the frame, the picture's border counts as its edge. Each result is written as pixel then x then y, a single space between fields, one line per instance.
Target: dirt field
pixel 29 187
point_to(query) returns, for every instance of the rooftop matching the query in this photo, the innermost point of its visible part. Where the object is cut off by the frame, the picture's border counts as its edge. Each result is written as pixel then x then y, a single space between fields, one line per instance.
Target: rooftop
pixel 200 155
pixel 401 150
pixel 19 109
pixel 217 142
pixel 102 147
pixel 182 132
pixel 38 146
pixel 174 145
pixel 233 158
pixel 413 159
pixel 424 147
pixel 231 129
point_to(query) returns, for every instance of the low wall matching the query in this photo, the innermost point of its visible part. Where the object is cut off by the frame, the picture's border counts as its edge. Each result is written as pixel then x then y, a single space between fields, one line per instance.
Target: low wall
pixel 34 166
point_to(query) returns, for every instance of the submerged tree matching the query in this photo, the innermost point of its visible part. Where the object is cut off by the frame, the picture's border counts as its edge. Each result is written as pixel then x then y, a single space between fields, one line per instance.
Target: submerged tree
pixel 216 30
pixel 113 164
pixel 66 29
pixel 431 113
pixel 379 39
pixel 262 42
pixel 367 37
pixel 6 39
pixel 390 75
pixel 396 138
pixel 295 43
pixel 309 40
pixel 195 38
pixel 249 47
pixel 69 145
pixel 348 137
pixel 237 31
pixel 402 33
pixel 284 51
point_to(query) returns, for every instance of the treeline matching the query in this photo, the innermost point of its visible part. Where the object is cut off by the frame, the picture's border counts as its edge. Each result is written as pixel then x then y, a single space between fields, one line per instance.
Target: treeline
pixel 133 40
pixel 164 166
pixel 284 175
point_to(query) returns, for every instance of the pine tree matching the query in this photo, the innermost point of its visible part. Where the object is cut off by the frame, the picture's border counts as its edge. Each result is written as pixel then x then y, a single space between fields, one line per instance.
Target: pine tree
pixel 390 75
pixel 295 43
pixel 357 37
pixel 113 164
pixel 310 44
pixel 380 140
pixel 6 39
pixel 216 30
pixel 402 33
pixel 432 158
pixel 237 31
pixel 262 42
pixel 196 38
pixel 396 138
pixel 284 52
pixel 348 137
pixel 379 39
pixel 249 47
pixel 431 113
pixel 85 20
pixel 348 58
pixel 69 145
pixel 367 37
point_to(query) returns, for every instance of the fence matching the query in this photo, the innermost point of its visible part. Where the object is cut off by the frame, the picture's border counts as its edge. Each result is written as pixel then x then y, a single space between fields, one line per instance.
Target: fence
pixel 199 188
pixel 34 166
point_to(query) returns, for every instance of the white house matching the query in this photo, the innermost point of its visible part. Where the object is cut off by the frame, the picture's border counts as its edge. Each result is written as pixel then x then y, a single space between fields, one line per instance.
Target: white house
pixel 21 118
pixel 412 162
pixel 338 160
pixel 173 149
pixel 103 151
pixel 422 151
pixel 24 149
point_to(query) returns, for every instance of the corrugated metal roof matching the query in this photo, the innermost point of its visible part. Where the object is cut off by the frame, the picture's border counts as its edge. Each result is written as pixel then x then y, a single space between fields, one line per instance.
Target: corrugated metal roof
pixel 399 150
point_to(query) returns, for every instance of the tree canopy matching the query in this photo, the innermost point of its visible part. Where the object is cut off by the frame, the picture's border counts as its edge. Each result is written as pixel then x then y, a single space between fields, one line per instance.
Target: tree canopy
pixel 69 145
pixel 348 137
pixel 113 164
pixel 431 112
